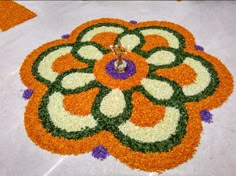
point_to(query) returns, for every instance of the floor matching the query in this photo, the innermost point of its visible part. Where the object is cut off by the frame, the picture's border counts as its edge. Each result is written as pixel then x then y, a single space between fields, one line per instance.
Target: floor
pixel 213 25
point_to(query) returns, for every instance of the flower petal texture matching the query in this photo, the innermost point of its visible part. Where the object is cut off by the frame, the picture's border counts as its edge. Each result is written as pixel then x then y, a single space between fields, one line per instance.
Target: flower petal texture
pixel 113 103
pixel 161 58
pixel 148 117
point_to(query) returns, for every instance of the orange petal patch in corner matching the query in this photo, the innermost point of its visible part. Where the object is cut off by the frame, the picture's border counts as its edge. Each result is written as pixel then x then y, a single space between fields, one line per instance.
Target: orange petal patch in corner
pixel 145 113
pixel 67 62
pixel 182 74
pixel 12 14
pixel 153 41
pixel 81 103
pixel 105 39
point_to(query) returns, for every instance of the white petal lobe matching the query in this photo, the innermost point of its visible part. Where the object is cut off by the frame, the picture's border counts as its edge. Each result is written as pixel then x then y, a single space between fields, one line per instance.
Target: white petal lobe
pixel 130 41
pixel 202 80
pixel 159 89
pixel 161 58
pixel 113 103
pixel 90 52
pixel 75 80
pixel 63 119
pixel 45 66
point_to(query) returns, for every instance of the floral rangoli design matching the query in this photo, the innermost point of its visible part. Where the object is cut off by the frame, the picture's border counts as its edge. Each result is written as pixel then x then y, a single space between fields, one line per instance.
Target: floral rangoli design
pixel 147 117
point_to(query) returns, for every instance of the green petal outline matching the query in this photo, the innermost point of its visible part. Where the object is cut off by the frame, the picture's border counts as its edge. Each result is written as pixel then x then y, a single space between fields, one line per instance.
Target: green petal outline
pixel 58 132
pixel 175 33
pixel 40 58
pixel 177 97
pixel 139 35
pixel 105 121
pixel 77 46
pixel 178 58
pixel 65 91
pixel 98 25
pixel 213 85
pixel 161 146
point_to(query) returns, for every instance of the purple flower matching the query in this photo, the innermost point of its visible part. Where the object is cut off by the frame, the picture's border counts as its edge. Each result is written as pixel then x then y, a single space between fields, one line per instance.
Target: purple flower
pixel 100 152
pixel 130 70
pixel 133 22
pixel 198 47
pixel 27 94
pixel 206 116
pixel 65 36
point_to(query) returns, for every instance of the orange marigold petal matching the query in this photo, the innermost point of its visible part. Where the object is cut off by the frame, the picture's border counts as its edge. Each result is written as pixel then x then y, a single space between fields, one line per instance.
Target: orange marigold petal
pixel 67 62
pixel 81 103
pixel 145 113
pixel 105 39
pixel 182 74
pixel 13 14
pixel 153 41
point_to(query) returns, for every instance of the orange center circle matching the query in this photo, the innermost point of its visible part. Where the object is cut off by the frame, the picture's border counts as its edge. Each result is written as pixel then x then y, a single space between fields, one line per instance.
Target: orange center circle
pixel 103 77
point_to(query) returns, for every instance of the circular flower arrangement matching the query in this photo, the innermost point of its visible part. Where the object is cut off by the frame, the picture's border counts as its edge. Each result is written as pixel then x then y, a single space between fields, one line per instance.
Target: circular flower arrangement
pixel 148 117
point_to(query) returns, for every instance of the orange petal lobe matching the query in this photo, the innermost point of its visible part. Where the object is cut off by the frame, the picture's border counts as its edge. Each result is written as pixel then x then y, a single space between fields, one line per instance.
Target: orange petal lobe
pixel 13 14
pixel 182 74
pixel 80 104
pixel 145 113
pixel 153 41
pixel 67 62
pixel 105 39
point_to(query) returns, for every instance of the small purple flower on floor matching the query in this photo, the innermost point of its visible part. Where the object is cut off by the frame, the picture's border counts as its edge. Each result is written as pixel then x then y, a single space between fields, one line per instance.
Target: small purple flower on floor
pixel 133 22
pixel 206 116
pixel 65 36
pixel 198 47
pixel 100 152
pixel 27 94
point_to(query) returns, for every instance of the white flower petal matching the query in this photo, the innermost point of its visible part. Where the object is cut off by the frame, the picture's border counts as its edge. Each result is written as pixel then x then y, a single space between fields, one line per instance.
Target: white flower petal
pixel 113 104
pixel 161 131
pixel 130 41
pixel 170 37
pixel 90 52
pixel 89 35
pixel 159 89
pixel 63 119
pixel 45 66
pixel 75 80
pixel 202 80
pixel 161 58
